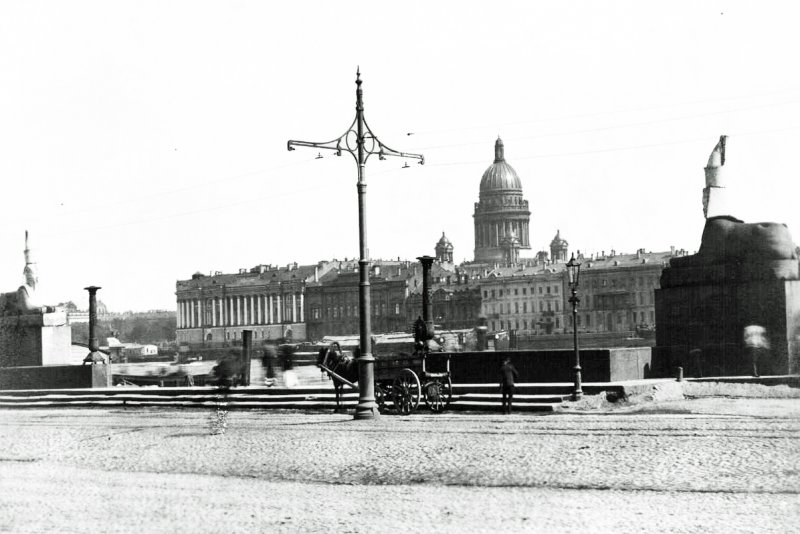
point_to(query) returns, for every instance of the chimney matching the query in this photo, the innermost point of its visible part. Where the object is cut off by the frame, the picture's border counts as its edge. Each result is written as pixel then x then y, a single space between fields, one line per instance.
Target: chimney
pixel 316 273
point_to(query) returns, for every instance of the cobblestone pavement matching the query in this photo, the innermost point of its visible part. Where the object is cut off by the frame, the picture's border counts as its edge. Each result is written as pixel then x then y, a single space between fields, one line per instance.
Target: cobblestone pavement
pixel 104 470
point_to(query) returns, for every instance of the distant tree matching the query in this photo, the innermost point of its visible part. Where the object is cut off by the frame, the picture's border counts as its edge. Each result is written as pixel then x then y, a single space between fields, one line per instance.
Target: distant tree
pixel 68 306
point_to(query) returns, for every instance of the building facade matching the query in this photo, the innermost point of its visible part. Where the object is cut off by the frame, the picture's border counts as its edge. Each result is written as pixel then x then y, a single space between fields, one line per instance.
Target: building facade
pixel 332 304
pixel 617 291
pixel 502 217
pixel 616 294
pixel 527 299
pixel 213 310
pixel 455 299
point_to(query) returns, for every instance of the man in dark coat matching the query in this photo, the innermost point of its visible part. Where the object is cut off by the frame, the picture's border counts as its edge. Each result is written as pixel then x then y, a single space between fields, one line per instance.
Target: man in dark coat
pixel 508 374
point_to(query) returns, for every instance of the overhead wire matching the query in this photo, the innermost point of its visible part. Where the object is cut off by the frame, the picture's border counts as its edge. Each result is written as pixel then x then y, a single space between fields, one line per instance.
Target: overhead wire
pixel 613 127
pixel 271 196
pixel 606 112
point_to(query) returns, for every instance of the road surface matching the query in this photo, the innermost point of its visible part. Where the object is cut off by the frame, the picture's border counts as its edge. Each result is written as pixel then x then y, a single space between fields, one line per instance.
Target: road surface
pixel 727 466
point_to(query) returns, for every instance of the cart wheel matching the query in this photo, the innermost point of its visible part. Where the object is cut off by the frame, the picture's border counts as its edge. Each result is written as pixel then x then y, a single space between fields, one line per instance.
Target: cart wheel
pixel 380 398
pixel 406 392
pixel 438 394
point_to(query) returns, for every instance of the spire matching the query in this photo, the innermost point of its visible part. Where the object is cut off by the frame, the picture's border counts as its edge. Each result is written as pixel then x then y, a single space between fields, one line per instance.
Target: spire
pixel 498 151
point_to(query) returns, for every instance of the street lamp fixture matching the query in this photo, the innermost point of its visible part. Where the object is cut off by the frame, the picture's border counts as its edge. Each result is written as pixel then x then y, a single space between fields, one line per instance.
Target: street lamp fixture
pixel 574 273
pixel 361 143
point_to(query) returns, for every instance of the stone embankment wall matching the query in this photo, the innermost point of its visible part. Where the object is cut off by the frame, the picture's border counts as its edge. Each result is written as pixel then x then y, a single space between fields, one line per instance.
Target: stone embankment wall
pixel 54 377
pixel 598 365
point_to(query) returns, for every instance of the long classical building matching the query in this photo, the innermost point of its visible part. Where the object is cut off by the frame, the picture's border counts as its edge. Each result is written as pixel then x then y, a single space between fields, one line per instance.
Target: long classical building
pixel 214 309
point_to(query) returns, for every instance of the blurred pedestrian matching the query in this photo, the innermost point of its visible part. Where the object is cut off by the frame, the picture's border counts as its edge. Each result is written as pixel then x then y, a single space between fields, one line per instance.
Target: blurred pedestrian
pixel 227 370
pixel 268 364
pixel 756 344
pixel 286 354
pixel 508 374
pixel 225 373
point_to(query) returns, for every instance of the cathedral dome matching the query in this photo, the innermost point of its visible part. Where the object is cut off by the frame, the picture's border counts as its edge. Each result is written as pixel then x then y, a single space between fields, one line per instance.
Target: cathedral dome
pixel 500 176
pixel 444 242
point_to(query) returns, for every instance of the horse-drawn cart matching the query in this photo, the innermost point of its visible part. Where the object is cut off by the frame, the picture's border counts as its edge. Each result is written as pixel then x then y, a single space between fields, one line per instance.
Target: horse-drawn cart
pixel 401 380
pixel 405 380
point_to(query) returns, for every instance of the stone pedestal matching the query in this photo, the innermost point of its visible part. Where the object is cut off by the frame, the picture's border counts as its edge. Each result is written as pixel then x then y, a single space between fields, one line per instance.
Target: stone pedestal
pixel 34 339
pixel 743 275
pixel 712 318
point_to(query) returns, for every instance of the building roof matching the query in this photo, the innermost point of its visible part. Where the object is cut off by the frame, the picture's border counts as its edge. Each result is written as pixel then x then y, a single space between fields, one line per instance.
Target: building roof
pixel 443 241
pixel 558 241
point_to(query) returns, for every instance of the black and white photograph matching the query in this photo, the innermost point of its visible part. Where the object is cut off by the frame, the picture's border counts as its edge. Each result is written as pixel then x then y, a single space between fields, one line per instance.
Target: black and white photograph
pixel 361 267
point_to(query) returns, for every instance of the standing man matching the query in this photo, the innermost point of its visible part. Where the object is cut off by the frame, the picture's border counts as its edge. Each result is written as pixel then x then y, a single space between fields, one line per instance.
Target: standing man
pixel 507 376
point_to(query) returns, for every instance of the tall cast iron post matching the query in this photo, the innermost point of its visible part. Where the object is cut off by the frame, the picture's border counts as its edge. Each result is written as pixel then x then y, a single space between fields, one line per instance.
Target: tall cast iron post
pixel 427 298
pixel 361 143
pixel 94 355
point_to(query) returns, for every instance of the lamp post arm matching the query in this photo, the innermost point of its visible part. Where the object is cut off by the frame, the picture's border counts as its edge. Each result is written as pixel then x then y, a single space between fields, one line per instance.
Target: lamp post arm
pixel 373 145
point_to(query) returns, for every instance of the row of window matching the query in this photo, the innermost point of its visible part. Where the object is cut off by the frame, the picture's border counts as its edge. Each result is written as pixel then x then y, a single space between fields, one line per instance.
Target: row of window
pixel 550 305
pixel 542 290
pixel 592 284
pixel 588 321
pixel 585 320
pixel 335 312
pixel 515 325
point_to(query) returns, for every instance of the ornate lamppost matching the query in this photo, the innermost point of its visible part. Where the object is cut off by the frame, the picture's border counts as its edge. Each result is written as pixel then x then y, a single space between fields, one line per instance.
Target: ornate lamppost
pixel 359 141
pixel 574 272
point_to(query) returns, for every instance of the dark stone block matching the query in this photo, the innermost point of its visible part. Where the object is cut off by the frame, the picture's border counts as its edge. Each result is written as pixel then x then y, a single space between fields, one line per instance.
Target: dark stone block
pixel 598 365
pixel 744 274
pixel 55 377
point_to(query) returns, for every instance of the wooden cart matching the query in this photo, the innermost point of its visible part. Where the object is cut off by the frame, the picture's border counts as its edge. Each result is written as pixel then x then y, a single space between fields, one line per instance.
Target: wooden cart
pixel 405 379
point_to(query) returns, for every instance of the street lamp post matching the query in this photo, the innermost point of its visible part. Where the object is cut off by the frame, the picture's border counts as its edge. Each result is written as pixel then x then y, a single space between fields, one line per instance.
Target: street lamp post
pixel 359 141
pixel 574 272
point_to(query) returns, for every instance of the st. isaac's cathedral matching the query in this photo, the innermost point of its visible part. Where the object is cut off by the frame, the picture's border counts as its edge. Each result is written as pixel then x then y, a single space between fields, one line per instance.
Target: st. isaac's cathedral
pixel 502 218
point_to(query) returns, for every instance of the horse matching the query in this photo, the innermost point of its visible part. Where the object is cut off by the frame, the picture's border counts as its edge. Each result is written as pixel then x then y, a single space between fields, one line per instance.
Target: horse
pixel 343 365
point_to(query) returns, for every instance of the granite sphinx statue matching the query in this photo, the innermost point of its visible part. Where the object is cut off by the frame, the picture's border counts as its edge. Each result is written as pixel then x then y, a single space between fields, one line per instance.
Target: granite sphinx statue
pixel 23 301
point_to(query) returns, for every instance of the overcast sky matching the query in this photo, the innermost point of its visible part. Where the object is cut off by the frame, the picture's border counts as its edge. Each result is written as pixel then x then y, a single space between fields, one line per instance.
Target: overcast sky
pixel 141 142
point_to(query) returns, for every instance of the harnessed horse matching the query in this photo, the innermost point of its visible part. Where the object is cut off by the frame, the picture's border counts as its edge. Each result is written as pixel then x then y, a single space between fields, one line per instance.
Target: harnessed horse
pixel 340 367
